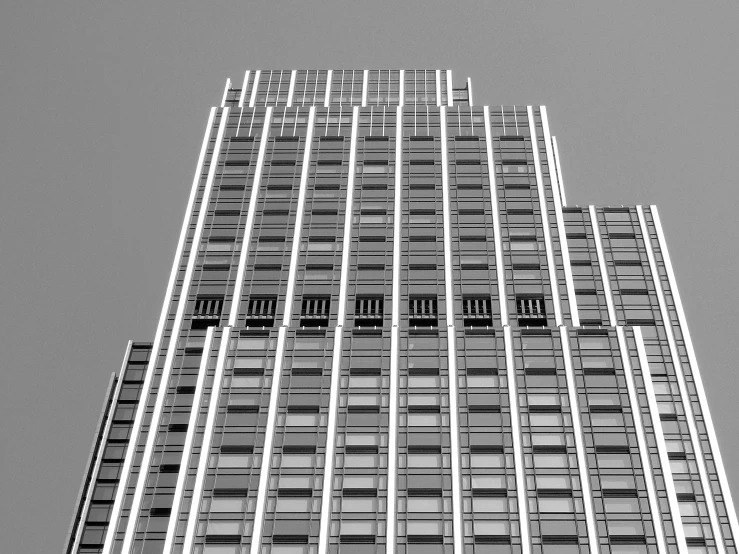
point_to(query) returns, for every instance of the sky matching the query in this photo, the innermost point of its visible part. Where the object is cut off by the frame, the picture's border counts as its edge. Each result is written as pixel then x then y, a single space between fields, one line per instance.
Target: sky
pixel 102 110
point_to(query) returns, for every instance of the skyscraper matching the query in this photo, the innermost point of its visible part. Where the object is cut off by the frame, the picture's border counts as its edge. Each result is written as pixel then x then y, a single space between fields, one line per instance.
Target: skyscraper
pixel 386 331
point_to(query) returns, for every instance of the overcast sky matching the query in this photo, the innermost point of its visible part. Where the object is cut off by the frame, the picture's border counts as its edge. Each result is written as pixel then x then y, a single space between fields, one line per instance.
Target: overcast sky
pixel 103 107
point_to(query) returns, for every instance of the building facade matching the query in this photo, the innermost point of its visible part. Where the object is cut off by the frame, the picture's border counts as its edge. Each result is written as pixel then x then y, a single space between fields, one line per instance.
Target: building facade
pixel 386 332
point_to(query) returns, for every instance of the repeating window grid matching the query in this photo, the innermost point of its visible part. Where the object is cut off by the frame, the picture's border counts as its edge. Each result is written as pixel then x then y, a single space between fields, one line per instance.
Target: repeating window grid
pixel 559 244
pixel 310 88
pixel 383 87
pixel 273 88
pixel 234 455
pixel 472 224
pixel 589 292
pixel 624 247
pixel 685 475
pixel 424 492
pixel 371 255
pixel 618 480
pixel 522 232
pixel 167 456
pixel 658 473
pixel 275 216
pixel 422 256
pixel 511 120
pixel 359 497
pixel 420 87
pixel 697 409
pixel 188 368
pixel 293 501
pixel 319 260
pixel 488 479
pixel 215 270
pixel 178 459
pixel 346 87
pixel 556 509
pixel 112 452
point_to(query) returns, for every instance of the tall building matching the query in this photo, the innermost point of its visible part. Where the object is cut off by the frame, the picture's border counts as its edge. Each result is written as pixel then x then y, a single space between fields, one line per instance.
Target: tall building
pixel 387 332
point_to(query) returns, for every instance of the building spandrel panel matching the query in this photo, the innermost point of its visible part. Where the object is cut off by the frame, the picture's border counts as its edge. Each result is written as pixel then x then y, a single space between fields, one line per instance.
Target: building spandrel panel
pixel 387 332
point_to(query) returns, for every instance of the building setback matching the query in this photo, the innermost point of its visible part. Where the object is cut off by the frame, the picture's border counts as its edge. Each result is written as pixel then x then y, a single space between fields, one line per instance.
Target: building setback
pixel 385 331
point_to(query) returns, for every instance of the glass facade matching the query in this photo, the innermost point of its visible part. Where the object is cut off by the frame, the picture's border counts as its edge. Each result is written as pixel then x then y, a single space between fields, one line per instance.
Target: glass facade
pixel 386 332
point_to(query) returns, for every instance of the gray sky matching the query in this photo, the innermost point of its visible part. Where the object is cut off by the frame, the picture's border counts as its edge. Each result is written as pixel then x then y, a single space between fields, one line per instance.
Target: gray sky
pixel 102 110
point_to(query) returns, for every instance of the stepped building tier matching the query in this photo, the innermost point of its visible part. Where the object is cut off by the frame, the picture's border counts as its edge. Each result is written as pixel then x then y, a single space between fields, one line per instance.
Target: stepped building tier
pixel 386 331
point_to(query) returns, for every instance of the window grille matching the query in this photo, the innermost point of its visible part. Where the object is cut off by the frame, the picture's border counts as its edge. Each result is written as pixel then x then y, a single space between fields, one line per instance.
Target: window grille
pixel 315 311
pixel 423 311
pixel 477 311
pixel 531 311
pixel 261 311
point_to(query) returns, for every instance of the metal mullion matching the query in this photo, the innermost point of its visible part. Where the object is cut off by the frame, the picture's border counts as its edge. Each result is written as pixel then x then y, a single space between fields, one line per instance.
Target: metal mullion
pixel 544 206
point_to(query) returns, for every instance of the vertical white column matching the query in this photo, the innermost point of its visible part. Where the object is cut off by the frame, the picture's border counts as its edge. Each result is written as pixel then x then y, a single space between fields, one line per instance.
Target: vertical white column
pixel 661 446
pixel 469 91
pixel 499 266
pixel 87 492
pixel 559 171
pixel 327 98
pixel 449 83
pixel 242 96
pixel 146 388
pixel 291 88
pixel 684 394
pixel 605 277
pixel 328 471
pixel 392 466
pixel 255 88
pixel 451 337
pixel 636 412
pixel 401 89
pixel 438 87
pixel 251 214
pixel 582 458
pixel 365 84
pixel 521 490
pixel 569 281
pixel 274 396
pixel 197 492
pixel 545 218
pixel 723 481
pixel 187 448
pixel 225 92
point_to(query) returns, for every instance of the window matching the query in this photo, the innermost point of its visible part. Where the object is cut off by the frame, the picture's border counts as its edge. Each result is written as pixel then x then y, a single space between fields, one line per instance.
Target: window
pixel 422 311
pixel 531 311
pixel 223 527
pixel 477 310
pixel 550 461
pixel 301 420
pixel 261 311
pixel 621 505
pixel 293 504
pixel 368 310
pixel 555 505
pixel 491 505
pixel 207 312
pixel 315 311
pixel 359 505
pixel 424 420
pixel 424 460
pixel 227 505
pixel 425 504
